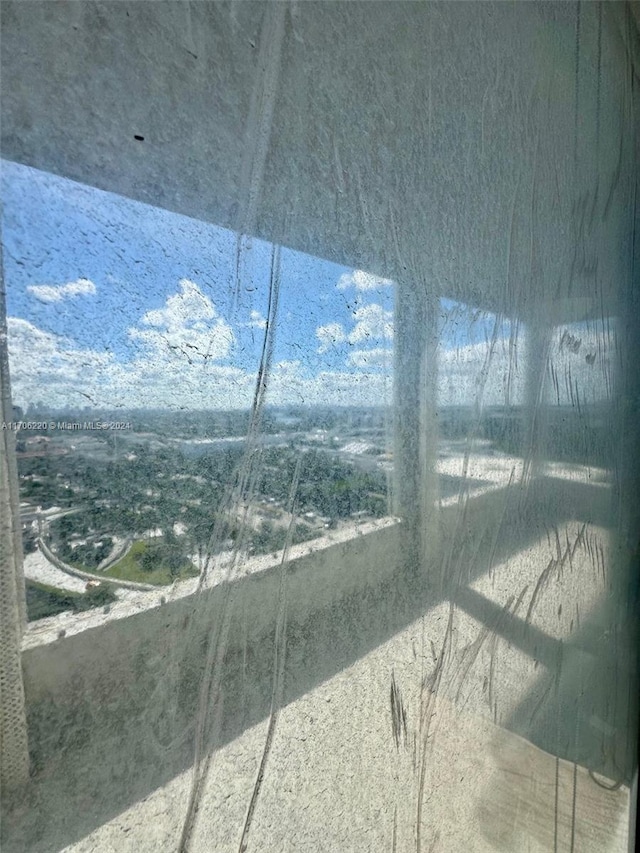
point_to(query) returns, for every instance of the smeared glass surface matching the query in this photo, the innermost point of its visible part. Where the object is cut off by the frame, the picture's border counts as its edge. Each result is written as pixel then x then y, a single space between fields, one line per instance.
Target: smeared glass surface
pixel 325 387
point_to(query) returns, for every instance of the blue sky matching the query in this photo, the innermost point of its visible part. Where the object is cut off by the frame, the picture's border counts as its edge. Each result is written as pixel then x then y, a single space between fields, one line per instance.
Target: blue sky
pixel 112 294
pixel 112 302
pixel 57 231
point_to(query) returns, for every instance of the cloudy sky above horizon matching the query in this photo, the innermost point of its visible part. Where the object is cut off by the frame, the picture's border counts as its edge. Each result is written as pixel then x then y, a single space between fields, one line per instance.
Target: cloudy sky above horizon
pixel 115 303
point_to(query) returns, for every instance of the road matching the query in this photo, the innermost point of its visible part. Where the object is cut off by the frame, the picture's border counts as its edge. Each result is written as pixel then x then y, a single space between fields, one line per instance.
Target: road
pixel 38 568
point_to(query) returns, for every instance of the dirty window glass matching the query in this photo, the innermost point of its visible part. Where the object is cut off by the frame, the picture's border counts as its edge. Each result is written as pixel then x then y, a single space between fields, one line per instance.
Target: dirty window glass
pixel 319 453
pixel 145 389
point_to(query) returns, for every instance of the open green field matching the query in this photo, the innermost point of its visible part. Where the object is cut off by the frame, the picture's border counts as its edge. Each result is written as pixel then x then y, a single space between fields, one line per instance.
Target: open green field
pixel 154 562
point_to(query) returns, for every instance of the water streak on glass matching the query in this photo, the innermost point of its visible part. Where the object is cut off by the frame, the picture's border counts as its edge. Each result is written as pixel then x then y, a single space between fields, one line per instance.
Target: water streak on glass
pixel 319 526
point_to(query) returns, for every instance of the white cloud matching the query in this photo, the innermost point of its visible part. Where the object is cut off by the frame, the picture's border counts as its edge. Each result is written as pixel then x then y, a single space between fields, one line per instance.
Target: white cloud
pixel 475 373
pixel 289 383
pixel 329 336
pixel 167 367
pixel 46 366
pixel 373 322
pixel 362 281
pixel 583 370
pixel 59 292
pixel 51 368
pixel 189 305
pixel 257 321
pixel 187 343
pixel 371 358
pixel 171 364
pixel 186 328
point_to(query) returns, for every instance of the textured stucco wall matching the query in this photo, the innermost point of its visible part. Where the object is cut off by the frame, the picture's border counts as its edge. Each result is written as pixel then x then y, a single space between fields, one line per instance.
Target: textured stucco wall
pixel 479 151
pixel 379 135
pixel 112 710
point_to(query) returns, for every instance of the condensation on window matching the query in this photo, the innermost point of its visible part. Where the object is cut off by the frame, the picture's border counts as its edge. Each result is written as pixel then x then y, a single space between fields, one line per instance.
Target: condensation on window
pixel 319 451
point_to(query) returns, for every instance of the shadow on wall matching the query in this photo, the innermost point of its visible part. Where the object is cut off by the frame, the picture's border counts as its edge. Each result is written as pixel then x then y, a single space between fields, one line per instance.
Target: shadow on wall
pixel 112 710
pixel 582 438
